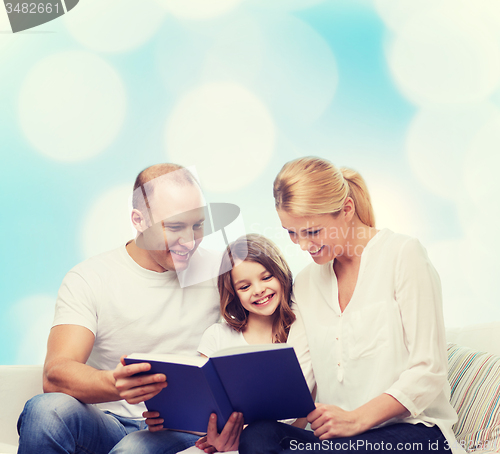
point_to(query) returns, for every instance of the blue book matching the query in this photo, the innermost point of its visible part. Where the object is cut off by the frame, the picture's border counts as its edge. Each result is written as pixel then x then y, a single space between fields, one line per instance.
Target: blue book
pixel 260 381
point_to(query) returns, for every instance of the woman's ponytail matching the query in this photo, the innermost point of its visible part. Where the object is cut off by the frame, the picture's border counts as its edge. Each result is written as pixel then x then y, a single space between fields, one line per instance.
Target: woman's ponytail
pixel 358 192
pixel 314 186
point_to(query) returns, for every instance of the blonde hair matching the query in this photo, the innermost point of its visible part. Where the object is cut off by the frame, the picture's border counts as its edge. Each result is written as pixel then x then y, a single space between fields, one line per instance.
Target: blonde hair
pixel 314 186
pixel 258 249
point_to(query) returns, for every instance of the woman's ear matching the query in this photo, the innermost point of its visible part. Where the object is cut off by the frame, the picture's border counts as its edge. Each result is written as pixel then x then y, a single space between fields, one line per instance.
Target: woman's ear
pixel 138 220
pixel 349 209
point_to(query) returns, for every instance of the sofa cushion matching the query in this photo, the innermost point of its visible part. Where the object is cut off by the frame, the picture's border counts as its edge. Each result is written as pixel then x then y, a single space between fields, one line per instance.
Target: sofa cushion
pixel 475 394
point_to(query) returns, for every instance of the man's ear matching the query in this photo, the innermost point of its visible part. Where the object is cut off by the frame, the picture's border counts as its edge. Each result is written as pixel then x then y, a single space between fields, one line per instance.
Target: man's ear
pixel 349 209
pixel 138 220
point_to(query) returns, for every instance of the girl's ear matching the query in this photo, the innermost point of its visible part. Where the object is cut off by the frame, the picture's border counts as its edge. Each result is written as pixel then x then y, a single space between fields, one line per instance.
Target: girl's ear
pixel 138 221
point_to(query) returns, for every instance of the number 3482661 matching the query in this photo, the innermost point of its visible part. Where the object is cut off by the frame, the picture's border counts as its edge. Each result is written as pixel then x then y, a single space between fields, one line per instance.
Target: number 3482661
pixel 32 8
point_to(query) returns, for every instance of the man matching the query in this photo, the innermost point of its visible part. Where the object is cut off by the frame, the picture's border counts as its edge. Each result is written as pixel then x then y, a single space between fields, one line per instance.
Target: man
pixel 124 301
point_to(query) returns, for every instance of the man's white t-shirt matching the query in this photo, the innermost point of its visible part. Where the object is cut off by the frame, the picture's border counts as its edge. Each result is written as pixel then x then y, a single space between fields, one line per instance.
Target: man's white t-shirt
pixel 389 339
pixel 131 309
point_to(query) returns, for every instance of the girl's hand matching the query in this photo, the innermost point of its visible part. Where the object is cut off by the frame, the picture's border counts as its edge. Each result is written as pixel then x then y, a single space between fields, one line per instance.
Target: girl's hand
pixel 204 445
pixel 153 420
pixel 228 439
pixel 330 421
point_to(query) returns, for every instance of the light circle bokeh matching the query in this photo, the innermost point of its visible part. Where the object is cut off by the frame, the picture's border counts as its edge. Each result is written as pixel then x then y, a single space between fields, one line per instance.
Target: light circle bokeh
pixel 114 25
pixel 72 105
pixel 482 171
pixel 437 142
pixel 235 52
pixel 198 9
pixel 396 13
pixel 5 38
pixel 225 131
pixel 394 207
pixel 486 10
pixel 286 5
pixel 107 223
pixel 447 256
pixel 442 57
pixel 299 75
pixel 187 57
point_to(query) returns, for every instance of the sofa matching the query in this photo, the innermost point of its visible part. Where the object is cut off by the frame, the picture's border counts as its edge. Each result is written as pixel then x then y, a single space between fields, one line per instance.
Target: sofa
pixel 474 376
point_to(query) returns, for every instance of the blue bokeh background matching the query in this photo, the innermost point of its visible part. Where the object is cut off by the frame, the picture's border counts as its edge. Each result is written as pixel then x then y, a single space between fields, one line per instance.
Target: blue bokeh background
pixel 92 98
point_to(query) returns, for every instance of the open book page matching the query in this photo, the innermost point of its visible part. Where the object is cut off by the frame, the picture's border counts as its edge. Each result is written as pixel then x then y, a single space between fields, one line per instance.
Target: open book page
pixel 249 349
pixel 198 361
pixel 264 384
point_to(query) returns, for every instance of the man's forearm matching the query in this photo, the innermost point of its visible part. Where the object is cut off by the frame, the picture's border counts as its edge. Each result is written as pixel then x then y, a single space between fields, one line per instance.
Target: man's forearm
pixel 81 381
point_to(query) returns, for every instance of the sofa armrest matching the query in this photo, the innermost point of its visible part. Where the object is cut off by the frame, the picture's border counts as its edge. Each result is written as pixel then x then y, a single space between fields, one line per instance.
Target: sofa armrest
pixel 483 337
pixel 18 384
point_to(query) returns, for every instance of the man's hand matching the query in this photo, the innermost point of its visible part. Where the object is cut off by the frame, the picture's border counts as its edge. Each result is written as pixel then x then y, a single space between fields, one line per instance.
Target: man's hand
pixel 153 420
pixel 135 389
pixel 330 421
pixel 227 440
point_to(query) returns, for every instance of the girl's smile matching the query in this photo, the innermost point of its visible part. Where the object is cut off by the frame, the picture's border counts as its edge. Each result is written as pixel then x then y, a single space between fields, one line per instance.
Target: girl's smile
pixel 263 301
pixel 258 290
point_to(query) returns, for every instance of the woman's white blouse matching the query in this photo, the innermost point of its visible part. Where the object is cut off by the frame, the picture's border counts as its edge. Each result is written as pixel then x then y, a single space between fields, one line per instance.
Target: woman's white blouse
pixel 389 339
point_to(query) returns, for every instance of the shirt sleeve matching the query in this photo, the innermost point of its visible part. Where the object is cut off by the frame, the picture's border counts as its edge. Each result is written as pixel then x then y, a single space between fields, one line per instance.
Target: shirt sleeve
pixel 418 294
pixel 211 340
pixel 76 303
pixel 297 338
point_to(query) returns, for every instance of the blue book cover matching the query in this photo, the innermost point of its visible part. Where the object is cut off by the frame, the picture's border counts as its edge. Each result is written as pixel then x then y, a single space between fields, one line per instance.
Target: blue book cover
pixel 260 381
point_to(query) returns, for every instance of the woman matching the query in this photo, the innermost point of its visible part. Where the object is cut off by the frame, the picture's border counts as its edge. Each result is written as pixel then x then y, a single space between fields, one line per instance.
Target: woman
pixel 371 306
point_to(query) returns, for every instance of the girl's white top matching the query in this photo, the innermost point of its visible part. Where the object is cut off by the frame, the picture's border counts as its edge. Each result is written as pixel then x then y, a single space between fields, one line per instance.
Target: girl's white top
pixel 221 335
pixel 389 339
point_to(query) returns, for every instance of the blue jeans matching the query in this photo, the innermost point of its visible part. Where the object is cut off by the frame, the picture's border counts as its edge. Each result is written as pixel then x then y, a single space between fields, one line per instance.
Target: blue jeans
pixel 163 442
pixel 269 437
pixel 57 423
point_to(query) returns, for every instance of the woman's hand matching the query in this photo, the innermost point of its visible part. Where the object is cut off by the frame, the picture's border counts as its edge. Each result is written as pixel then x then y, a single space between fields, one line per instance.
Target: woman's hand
pixel 330 421
pixel 153 420
pixel 227 440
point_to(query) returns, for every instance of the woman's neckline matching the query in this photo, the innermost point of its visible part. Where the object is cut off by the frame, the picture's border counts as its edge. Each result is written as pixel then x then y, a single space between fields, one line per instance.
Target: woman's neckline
pixel 374 239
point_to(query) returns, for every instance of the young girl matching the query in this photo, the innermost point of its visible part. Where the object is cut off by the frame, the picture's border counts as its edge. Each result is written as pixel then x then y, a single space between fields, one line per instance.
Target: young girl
pixel 255 287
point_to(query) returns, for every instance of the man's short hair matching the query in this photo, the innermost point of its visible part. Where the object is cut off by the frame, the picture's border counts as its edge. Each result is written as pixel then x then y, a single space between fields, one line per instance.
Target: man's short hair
pixel 150 177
